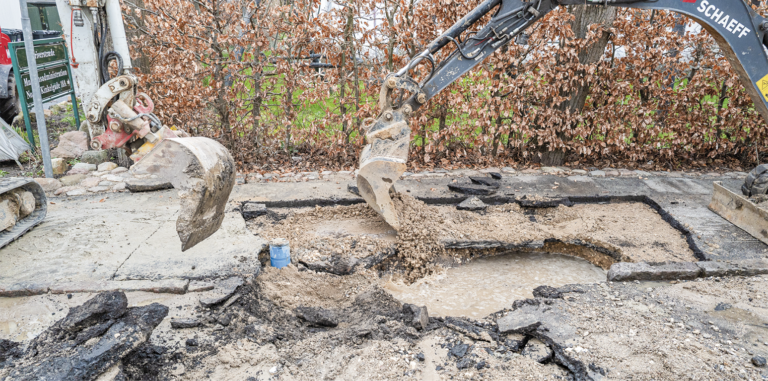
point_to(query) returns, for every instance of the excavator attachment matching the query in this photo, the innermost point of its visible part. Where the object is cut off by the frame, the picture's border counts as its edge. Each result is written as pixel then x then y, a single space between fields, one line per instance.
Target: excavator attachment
pixel 382 161
pixel 204 173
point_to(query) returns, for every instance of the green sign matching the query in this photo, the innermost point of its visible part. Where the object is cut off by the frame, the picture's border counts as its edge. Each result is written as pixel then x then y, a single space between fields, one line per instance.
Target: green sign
pixel 54 82
pixel 53 71
pixel 45 54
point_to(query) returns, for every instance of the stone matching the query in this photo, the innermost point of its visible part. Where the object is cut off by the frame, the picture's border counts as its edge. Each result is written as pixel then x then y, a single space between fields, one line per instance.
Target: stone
pixel 597 173
pixel 627 271
pixel 537 351
pixel 95 157
pixel 515 342
pixel 70 180
pixel 253 210
pixel 723 306
pixel 459 350
pixel 643 173
pixel 147 185
pixel 758 361
pixel 465 363
pixel 419 318
pixel 90 182
pixel 81 168
pixel 113 178
pixel 89 340
pixel 98 173
pixel 9 212
pixel 59 166
pixel 326 173
pixel 518 321
pixel 579 172
pixel 191 343
pixel 185 323
pixel 76 192
pixel 487 181
pixel 71 145
pixel 106 184
pixel 489 170
pixel 747 267
pixel 495 175
pixel 118 170
pixel 317 316
pixel 552 170
pixel 222 291
pixel 474 189
pixel 108 166
pixel 224 319
pixel 119 187
pixel 472 204
pixel 627 173
pixel 64 190
pixel 198 286
pixel 48 185
pixel 611 173
pixel 98 189
pixel 508 170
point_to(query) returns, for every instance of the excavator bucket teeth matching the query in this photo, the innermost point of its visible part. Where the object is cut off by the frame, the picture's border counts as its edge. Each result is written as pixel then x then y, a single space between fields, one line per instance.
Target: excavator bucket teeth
pixel 204 173
pixel 382 162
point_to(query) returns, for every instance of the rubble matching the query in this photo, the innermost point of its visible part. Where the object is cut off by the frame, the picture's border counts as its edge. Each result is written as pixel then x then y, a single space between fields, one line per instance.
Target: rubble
pixel 222 291
pixel 472 204
pixel 90 340
pixel 317 316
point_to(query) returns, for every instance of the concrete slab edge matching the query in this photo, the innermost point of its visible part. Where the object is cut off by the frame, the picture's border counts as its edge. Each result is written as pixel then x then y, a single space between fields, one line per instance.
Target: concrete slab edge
pixel 642 271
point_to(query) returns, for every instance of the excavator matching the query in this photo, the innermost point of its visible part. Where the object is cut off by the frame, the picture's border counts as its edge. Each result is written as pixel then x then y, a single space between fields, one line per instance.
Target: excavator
pixel 738 29
pixel 204 171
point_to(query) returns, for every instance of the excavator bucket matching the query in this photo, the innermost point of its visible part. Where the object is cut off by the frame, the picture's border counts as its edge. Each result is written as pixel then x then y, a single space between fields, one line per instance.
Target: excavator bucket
pixel 382 162
pixel 204 173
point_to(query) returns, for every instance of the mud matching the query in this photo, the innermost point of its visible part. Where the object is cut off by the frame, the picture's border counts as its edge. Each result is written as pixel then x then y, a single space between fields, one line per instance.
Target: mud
pixel 486 285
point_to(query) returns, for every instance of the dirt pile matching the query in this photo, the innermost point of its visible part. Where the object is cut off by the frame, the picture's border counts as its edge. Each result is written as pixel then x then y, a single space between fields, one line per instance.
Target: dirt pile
pixel 418 241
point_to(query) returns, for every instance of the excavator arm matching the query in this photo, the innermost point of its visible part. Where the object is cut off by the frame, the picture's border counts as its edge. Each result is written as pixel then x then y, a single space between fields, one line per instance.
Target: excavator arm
pixel 740 32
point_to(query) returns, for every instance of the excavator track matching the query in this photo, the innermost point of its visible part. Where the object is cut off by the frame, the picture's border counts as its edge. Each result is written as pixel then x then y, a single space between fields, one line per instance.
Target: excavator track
pixel 26 223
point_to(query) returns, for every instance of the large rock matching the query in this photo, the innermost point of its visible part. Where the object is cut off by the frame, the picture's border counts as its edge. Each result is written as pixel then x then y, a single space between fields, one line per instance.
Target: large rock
pixel 71 145
pixel 71 180
pixel 95 157
pixel 59 166
pixel 90 340
pixel 48 185
pixel 108 166
pixel 90 182
pixel 627 271
pixel 81 168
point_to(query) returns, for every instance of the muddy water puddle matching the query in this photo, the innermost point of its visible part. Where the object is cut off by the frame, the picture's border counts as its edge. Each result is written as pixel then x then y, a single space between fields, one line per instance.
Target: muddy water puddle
pixel 487 285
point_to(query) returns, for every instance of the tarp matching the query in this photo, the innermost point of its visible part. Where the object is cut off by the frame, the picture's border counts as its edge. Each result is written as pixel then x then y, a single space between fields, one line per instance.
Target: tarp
pixel 11 144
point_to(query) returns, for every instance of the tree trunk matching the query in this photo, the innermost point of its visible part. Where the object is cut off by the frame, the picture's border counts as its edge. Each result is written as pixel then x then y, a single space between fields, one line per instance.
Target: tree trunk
pixel 584 17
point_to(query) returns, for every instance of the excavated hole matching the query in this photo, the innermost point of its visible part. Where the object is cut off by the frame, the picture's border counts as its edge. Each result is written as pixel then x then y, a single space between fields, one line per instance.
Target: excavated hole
pixel 506 250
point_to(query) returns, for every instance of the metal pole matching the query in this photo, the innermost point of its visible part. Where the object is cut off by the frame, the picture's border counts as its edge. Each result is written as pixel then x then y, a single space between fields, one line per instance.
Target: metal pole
pixel 37 97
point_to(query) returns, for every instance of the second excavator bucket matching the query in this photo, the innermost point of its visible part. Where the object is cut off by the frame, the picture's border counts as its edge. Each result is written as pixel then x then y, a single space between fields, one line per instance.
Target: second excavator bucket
pixel 382 162
pixel 204 173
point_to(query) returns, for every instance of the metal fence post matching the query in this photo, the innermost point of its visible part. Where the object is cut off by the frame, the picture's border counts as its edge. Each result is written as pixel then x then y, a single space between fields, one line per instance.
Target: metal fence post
pixel 37 96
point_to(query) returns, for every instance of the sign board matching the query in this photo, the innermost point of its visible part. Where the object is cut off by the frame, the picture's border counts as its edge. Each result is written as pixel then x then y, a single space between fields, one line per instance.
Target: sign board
pixel 53 71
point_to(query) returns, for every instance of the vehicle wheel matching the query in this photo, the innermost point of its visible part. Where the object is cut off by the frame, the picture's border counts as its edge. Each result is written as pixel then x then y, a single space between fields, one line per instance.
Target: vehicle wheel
pixel 756 182
pixel 9 107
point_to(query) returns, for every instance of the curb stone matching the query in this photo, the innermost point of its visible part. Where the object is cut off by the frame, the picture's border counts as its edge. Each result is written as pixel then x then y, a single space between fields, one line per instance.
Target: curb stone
pixel 628 271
